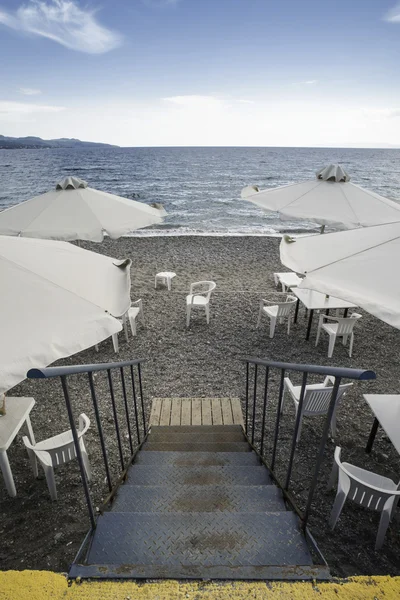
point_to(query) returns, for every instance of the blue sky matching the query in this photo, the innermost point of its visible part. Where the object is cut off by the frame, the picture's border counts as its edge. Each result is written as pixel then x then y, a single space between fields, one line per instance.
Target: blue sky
pixel 202 72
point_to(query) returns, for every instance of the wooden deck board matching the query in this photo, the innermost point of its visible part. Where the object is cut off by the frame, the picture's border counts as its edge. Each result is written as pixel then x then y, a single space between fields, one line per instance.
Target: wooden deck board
pixel 196 411
pixel 165 411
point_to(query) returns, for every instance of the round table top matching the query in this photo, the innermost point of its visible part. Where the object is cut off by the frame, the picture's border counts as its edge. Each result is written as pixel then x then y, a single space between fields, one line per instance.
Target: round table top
pixel 166 274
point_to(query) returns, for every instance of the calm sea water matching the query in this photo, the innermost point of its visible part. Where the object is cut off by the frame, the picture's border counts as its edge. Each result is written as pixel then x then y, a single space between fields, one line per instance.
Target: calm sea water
pixel 199 187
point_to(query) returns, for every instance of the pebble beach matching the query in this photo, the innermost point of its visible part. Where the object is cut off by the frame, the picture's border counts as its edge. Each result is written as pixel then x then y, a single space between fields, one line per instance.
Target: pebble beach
pixel 205 361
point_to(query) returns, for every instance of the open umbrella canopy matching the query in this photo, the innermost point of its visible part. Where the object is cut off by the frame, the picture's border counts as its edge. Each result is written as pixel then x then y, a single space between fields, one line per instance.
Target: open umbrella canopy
pixel 359 266
pixel 55 300
pixel 74 211
pixel 329 199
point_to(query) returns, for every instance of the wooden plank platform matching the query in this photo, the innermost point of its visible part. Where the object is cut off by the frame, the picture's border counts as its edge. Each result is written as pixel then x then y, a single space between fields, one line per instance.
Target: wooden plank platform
pixel 196 411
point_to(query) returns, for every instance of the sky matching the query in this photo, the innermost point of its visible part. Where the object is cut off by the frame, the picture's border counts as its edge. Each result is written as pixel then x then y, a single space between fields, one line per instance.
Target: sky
pixel 202 72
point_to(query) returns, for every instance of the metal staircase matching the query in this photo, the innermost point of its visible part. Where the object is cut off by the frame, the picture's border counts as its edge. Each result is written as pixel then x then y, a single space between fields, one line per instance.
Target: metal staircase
pixel 198 503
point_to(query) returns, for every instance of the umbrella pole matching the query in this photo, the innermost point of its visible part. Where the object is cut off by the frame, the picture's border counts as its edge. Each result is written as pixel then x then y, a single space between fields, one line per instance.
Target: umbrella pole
pixel 322 229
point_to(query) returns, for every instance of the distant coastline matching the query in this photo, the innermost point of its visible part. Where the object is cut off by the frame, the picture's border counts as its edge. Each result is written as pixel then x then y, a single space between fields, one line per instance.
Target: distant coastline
pixel 37 143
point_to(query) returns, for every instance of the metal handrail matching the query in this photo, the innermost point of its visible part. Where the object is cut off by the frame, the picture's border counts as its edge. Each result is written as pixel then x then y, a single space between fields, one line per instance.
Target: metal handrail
pixel 251 396
pixel 137 395
pixel 49 372
pixel 359 374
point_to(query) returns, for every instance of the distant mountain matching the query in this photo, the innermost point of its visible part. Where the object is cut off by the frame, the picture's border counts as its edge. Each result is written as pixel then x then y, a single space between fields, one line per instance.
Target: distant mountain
pixel 31 142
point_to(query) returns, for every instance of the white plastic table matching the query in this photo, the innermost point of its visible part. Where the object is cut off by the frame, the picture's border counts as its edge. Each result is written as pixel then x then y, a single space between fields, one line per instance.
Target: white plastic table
pixel 386 408
pixel 313 300
pixel 287 280
pixel 18 410
pixel 166 277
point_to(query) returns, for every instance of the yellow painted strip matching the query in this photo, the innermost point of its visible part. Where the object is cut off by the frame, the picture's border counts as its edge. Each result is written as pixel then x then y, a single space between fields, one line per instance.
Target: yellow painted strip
pixel 45 585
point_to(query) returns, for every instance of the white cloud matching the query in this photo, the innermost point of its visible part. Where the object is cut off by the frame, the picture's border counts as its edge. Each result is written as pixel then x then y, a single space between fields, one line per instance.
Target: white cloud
pixel 242 101
pixel 29 91
pixel 195 102
pixel 160 3
pixel 63 21
pixel 308 82
pixel 393 16
pixel 22 108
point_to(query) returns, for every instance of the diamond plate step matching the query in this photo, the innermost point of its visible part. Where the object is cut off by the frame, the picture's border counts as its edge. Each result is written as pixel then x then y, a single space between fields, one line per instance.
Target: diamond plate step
pixel 196 459
pixel 194 447
pixel 170 544
pixel 196 428
pixel 196 438
pixel 176 476
pixel 198 498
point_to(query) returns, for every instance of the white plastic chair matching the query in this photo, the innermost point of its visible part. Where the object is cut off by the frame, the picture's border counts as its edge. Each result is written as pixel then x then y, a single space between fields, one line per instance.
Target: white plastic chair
pixel 135 311
pixel 338 327
pixel 366 489
pixel 56 451
pixel 316 401
pixel 199 297
pixel 277 311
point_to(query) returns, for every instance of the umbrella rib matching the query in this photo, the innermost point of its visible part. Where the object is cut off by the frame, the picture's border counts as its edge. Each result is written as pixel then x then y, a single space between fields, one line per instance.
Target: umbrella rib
pixel 355 253
pixel 22 268
pixel 91 211
pixel 350 206
pixel 298 198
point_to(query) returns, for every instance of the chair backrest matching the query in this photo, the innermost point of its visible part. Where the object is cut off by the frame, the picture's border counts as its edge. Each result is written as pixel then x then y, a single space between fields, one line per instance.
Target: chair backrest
pixel 317 399
pixel 346 325
pixel 64 452
pixel 285 308
pixel 359 490
pixel 203 288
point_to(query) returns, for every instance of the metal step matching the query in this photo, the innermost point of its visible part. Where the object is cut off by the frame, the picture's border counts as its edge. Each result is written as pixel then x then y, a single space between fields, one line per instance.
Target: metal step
pixel 198 545
pixel 196 428
pixel 176 476
pixel 195 447
pixel 196 459
pixel 196 438
pixel 198 498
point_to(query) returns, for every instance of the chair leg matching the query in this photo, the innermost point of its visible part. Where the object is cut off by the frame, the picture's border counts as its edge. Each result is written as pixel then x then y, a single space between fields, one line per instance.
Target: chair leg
pixel 283 398
pixel 125 324
pixel 272 328
pixel 85 460
pixel 318 334
pixel 32 459
pixel 300 428
pixel 96 347
pixel 207 307
pixel 344 339
pixel 332 341
pixel 383 525
pixel 169 281
pixel 188 311
pixel 288 325
pixel 333 476
pixel 337 508
pixel 132 322
pixel 51 482
pixel 115 342
pixel 155 283
pixel 351 344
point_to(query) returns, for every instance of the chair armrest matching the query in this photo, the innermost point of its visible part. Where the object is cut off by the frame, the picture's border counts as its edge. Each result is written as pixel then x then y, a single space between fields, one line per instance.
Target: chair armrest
pixel 84 424
pixel 290 387
pixel 329 380
pixel 322 318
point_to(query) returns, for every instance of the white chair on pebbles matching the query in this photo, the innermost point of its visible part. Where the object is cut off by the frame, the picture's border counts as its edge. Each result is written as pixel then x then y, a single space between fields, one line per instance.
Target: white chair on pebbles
pixel 338 327
pixel 316 401
pixel 57 451
pixel 277 312
pixel 366 489
pixel 134 312
pixel 199 297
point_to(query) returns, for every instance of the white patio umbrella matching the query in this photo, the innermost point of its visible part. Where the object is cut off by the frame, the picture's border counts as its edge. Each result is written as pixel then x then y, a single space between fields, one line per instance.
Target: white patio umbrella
pixel 329 199
pixel 359 266
pixel 74 211
pixel 55 300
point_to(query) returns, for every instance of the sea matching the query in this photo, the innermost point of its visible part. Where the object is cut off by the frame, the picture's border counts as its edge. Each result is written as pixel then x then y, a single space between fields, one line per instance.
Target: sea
pixel 199 187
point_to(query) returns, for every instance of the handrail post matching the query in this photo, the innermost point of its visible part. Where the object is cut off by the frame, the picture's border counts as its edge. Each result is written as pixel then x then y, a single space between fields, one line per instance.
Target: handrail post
pixel 247 397
pixel 296 429
pixel 78 451
pixel 278 418
pixel 100 430
pixel 128 422
pixel 264 409
pixel 320 456
pixel 114 408
pixel 135 404
pixel 141 399
pixel 253 422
